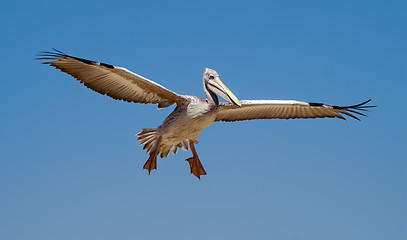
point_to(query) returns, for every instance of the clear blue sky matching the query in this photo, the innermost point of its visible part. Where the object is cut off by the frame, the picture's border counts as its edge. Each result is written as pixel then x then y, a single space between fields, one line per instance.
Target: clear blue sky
pixel 71 167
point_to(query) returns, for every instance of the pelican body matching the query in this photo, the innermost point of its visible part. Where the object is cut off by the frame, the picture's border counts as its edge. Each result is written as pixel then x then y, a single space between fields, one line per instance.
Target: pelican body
pixel 192 114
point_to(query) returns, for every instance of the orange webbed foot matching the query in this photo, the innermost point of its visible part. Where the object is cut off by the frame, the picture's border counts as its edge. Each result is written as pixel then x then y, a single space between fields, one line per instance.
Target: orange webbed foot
pixel 151 163
pixel 196 167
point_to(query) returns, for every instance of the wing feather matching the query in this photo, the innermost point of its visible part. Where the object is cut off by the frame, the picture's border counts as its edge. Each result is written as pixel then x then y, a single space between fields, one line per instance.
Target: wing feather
pixel 115 82
pixel 285 109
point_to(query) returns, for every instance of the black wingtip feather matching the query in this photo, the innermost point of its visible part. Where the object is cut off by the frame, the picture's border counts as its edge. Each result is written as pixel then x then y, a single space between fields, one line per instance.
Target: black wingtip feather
pixel 350 115
pixel 348 110
pixel 56 50
pixel 359 106
pixel 45 55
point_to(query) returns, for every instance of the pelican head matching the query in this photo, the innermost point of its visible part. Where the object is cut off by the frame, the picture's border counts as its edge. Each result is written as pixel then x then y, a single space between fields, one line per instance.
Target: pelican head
pixel 214 85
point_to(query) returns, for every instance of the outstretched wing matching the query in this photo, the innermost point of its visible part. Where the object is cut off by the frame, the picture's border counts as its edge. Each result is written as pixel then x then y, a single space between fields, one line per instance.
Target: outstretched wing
pixel 285 109
pixel 116 82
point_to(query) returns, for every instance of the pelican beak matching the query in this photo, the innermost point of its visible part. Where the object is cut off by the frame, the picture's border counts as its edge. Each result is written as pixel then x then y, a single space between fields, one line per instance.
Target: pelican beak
pixel 226 93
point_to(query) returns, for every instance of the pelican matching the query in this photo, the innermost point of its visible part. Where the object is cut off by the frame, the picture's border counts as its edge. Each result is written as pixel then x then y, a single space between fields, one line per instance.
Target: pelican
pixel 192 114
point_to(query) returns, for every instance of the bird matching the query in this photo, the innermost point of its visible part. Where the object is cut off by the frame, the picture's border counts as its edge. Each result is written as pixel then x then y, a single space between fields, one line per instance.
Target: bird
pixel 182 127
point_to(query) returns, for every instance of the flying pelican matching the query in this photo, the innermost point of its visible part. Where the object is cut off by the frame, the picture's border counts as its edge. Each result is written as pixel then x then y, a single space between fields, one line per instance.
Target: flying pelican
pixel 192 114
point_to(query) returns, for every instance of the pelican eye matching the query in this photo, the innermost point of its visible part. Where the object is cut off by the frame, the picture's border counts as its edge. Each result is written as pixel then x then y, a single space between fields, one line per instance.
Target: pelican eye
pixel 211 77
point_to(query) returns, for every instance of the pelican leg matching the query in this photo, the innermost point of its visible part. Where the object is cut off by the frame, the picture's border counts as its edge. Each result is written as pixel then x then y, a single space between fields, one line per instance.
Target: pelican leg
pixel 194 163
pixel 151 162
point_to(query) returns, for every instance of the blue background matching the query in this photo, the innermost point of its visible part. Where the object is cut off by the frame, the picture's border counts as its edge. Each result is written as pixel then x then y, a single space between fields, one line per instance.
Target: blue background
pixel 71 167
